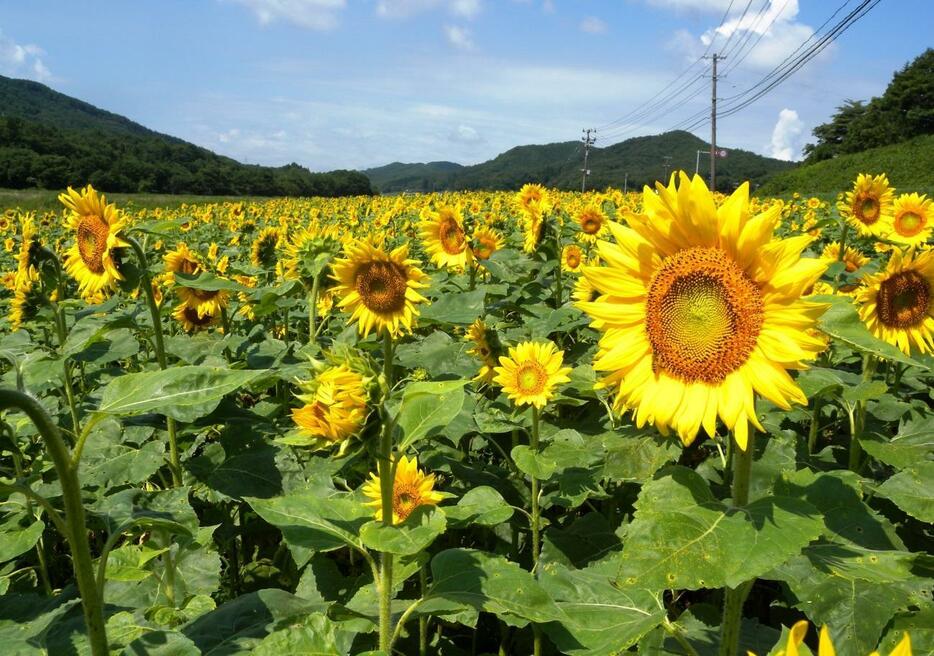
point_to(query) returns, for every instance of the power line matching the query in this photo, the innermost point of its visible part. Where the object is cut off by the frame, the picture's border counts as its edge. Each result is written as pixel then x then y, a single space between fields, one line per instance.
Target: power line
pixel 588 142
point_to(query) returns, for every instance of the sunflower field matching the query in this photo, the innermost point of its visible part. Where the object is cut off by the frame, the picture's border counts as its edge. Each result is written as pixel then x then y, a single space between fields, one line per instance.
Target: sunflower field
pixel 670 423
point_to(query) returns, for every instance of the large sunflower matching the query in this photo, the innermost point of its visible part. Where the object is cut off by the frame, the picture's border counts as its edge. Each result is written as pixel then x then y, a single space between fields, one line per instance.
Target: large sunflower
pixel 911 219
pixel 444 238
pixel 94 259
pixel 531 372
pixel 868 206
pixel 897 304
pixel 379 289
pixel 701 309
pixel 410 489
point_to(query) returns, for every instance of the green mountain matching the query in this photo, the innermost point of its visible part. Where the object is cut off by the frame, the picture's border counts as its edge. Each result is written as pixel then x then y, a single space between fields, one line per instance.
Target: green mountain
pixel 642 159
pixel 908 165
pixel 50 140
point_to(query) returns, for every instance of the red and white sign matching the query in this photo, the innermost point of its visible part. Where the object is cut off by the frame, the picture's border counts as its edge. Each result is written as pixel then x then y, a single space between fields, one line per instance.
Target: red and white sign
pixel 721 153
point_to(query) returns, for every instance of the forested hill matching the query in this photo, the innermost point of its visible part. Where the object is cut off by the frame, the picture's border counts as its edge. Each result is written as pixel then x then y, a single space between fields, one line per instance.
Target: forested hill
pixel 642 159
pixel 51 140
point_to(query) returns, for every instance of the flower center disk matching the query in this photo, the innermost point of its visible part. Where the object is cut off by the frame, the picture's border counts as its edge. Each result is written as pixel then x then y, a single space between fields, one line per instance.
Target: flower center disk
pixel 531 378
pixel 382 286
pixel 703 316
pixel 451 237
pixel 903 300
pixel 92 241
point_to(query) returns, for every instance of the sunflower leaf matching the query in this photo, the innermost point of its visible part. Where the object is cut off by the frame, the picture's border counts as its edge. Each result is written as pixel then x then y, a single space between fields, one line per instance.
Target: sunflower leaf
pixel 427 408
pixel 413 535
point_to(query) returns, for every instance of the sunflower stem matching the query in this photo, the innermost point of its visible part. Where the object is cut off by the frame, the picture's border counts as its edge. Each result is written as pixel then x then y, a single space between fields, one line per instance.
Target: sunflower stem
pixel 385 468
pixel 313 309
pixel 536 525
pixel 733 598
pixel 62 331
pixel 814 429
pixel 75 524
pixel 423 619
pixel 858 423
pixel 146 282
pixel 558 280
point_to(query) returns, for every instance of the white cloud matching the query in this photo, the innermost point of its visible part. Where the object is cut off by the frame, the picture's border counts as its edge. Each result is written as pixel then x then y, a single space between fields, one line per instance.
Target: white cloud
pixel 459 37
pixel 404 8
pixel 693 5
pixel 786 136
pixel 312 14
pixel 22 60
pixel 465 134
pixel 593 25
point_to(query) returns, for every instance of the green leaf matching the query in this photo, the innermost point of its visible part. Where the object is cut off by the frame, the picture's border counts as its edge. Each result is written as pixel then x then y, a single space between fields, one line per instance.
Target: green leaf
pixel 314 635
pixel 600 617
pixel 439 355
pixel 841 321
pixel 466 577
pixel 914 443
pixel 183 393
pixel 427 408
pixel 16 539
pixel 482 506
pixel 536 465
pixel 912 490
pixel 314 521
pixel 166 510
pixel 632 456
pixel 920 628
pixel 410 537
pixel 460 308
pixel 682 537
pixel 207 281
pixel 864 391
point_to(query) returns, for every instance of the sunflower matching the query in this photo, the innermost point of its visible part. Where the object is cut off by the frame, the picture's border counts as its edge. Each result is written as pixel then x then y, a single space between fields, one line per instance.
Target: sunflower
pixel 486 241
pixel 533 198
pixel 814 203
pixel 572 258
pixel 203 301
pixel 334 407
pixel 29 248
pixel 263 250
pixel 410 489
pixel 592 223
pixel 911 220
pixel 584 291
pixel 897 304
pixel 379 289
pixel 869 205
pixel 94 259
pixel 444 238
pixel 27 299
pixel 191 319
pixel 852 258
pixel 479 335
pixel 797 633
pixel 531 372
pixel 701 309
pixel 532 227
pixel 307 250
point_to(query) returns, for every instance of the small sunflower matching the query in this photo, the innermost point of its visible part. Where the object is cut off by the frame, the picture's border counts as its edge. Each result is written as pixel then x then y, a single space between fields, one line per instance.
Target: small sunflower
pixel 911 220
pixel 306 250
pixel 379 289
pixel 486 241
pixel 334 407
pixel 29 248
pixel 825 647
pixel 533 198
pixel 478 334
pixel 263 252
pixel 868 207
pixel 853 260
pixel 94 259
pixel 572 258
pixel 443 235
pixel 592 223
pixel 411 488
pixel 191 320
pixel 701 309
pixel 531 372
pixel 897 304
pixel 203 301
pixel 27 299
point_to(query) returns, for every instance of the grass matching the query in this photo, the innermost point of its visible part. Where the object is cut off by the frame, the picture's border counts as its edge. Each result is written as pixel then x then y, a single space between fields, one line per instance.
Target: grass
pixel 907 164
pixel 43 200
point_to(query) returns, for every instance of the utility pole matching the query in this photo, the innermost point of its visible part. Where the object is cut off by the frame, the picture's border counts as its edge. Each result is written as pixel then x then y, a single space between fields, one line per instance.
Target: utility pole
pixel 713 121
pixel 588 142
pixel 626 184
pixel 667 159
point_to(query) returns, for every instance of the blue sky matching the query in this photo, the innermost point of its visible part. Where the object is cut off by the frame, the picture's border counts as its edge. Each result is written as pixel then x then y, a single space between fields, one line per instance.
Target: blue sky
pixel 359 83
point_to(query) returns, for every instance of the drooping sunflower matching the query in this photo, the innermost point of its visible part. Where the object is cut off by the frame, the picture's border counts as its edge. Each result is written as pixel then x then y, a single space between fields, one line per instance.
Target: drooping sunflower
pixel 445 240
pixel 29 248
pixel 334 407
pixel 592 222
pixel 868 206
pixel 701 309
pixel 27 299
pixel 263 252
pixel 203 301
pixel 897 304
pixel 410 489
pixel 479 336
pixel 307 250
pixel 572 258
pixel 853 260
pixel 94 259
pixel 912 220
pixel 531 372
pixel 379 289
pixel 583 290
pixel 486 241
pixel 191 320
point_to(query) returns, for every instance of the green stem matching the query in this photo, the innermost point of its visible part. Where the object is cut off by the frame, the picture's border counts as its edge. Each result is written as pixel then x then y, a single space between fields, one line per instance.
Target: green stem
pixel 385 467
pixel 313 309
pixel 558 279
pixel 40 546
pixel 473 275
pixel 675 633
pixel 858 423
pixel 844 229
pixel 75 522
pixel 146 281
pixel 62 330
pixel 536 528
pixel 814 429
pixel 733 598
pixel 423 619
